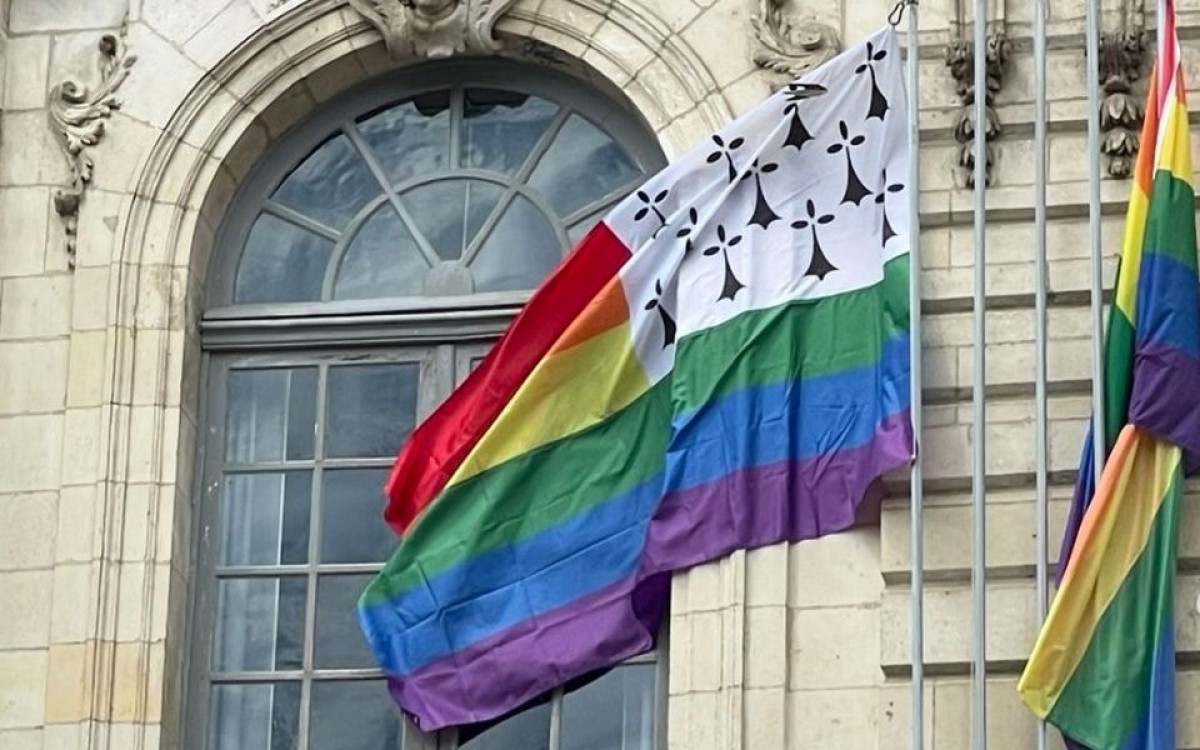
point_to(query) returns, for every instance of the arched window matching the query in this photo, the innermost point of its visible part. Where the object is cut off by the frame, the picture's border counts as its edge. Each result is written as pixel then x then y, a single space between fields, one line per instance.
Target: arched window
pixel 366 264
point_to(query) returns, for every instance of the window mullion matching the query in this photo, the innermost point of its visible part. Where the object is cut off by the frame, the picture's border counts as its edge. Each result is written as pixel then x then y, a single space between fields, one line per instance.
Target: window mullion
pixel 314 547
pixel 368 156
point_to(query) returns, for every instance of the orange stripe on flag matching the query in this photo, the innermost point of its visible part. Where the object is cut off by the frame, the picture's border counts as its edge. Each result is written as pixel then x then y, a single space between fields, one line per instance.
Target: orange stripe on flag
pixel 607 311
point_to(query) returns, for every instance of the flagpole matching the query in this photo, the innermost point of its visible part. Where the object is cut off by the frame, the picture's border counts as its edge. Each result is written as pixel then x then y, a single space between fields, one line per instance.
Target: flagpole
pixel 1099 432
pixel 979 469
pixel 916 478
pixel 1040 293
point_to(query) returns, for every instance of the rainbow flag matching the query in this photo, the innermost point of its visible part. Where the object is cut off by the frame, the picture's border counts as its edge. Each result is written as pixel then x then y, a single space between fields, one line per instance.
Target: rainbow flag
pixel 1103 667
pixel 721 364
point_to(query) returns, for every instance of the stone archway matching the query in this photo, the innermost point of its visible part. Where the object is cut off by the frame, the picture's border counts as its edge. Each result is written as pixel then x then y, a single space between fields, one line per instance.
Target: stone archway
pixel 302 55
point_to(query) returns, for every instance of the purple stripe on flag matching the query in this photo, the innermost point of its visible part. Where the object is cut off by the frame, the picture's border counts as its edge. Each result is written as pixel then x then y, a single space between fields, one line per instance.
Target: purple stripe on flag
pixel 1166 396
pixel 788 500
pixel 535 656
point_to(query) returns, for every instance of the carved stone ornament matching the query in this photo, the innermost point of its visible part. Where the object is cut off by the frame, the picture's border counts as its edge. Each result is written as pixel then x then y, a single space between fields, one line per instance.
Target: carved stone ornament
pixel 79 117
pixel 960 59
pixel 435 28
pixel 1121 113
pixel 787 45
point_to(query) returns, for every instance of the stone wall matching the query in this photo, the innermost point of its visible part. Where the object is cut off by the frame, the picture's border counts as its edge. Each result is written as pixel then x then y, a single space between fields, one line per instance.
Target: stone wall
pixel 100 367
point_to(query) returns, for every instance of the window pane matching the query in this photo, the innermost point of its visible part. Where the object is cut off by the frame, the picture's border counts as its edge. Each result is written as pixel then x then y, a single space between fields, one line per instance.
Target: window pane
pixel 450 212
pixel 528 730
pixel 260 624
pixel 412 138
pixel 582 165
pixel 372 409
pixel 270 414
pixel 331 185
pixel 340 642
pixel 352 527
pixel 500 128
pixel 383 260
pixel 521 251
pixel 254 717
pixel 281 263
pixel 264 518
pixel 616 712
pixel 353 716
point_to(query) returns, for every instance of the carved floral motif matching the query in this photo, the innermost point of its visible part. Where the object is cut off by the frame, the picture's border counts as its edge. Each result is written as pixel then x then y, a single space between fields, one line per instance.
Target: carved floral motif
pixel 788 45
pixel 960 59
pixel 1121 113
pixel 435 28
pixel 79 117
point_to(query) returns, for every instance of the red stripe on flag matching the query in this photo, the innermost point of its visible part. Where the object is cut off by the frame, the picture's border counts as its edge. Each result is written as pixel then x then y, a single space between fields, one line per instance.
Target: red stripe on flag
pixel 438 447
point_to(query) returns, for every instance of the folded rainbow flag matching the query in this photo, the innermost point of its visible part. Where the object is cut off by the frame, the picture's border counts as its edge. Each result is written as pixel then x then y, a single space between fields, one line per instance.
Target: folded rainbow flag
pixel 1103 667
pixel 723 363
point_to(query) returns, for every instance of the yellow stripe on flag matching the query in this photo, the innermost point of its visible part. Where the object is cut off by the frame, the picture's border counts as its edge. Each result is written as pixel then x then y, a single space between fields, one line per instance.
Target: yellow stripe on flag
pixel 1113 535
pixel 568 391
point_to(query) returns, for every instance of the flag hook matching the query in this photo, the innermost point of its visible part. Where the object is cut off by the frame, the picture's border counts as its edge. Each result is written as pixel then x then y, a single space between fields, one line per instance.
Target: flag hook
pixel 897 13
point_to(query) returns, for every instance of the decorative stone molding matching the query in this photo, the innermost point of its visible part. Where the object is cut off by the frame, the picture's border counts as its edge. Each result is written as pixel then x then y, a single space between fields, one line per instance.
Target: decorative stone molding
pixel 79 119
pixel 435 28
pixel 787 45
pixel 960 58
pixel 1121 113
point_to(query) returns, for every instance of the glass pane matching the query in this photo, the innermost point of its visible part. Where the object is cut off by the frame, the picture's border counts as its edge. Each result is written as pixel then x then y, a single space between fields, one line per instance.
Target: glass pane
pixel 616 712
pixel 528 730
pixel 281 263
pixel 271 414
pixel 352 527
pixel 331 185
pixel 500 128
pixel 576 231
pixel 383 260
pixel 521 251
pixel 259 716
pixel 412 138
pixel 264 518
pixel 450 213
pixel 353 716
pixel 582 165
pixel 372 409
pixel 340 642
pixel 260 624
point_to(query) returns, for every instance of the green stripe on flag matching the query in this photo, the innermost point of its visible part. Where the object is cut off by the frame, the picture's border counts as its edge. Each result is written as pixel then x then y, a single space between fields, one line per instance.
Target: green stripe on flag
pixel 1170 230
pixel 792 341
pixel 531 493
pixel 1100 706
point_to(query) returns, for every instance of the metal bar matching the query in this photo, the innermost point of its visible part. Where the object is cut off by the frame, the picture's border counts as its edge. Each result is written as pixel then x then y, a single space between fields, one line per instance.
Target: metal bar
pixel 916 477
pixel 1041 499
pixel 1161 38
pixel 1099 438
pixel 979 467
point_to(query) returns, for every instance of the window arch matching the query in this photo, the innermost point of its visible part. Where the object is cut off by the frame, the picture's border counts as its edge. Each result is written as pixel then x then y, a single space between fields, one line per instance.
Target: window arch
pixel 475 182
pixel 367 262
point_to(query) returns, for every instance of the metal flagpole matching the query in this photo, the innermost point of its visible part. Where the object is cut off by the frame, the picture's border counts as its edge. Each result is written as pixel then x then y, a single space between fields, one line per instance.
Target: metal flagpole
pixel 916 482
pixel 1040 271
pixel 979 469
pixel 1095 236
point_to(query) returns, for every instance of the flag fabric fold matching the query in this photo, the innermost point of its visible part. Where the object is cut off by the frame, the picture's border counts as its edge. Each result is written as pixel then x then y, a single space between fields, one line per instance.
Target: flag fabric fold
pixel 1103 667
pixel 721 364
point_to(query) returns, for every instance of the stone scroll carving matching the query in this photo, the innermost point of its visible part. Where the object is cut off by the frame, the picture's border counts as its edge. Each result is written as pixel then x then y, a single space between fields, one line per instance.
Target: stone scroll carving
pixel 960 58
pixel 78 116
pixel 1121 113
pixel 435 28
pixel 788 45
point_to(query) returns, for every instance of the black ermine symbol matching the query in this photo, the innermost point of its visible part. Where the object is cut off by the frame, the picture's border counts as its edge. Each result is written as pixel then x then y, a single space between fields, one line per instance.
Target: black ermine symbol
pixel 731 286
pixel 818 265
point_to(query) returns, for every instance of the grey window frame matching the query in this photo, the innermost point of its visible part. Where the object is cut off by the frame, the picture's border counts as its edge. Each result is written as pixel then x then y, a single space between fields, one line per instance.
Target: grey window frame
pixel 446 333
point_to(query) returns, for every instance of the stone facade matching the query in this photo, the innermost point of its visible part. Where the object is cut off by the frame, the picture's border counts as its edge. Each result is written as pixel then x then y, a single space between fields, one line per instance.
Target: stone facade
pixel 801 647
